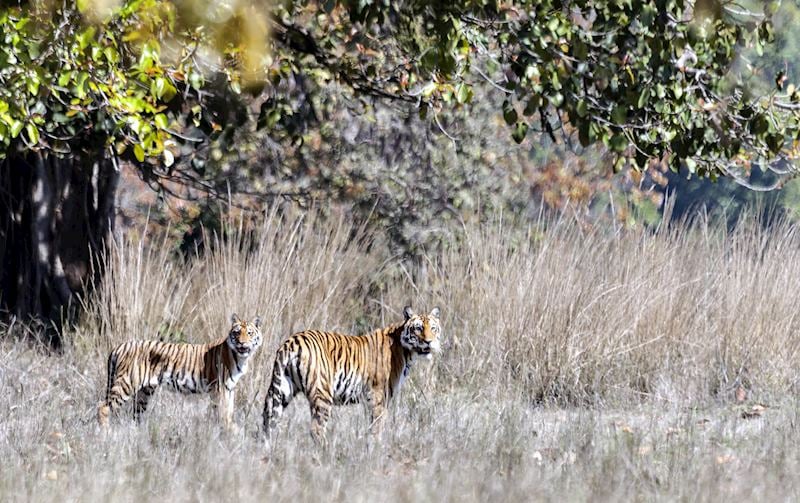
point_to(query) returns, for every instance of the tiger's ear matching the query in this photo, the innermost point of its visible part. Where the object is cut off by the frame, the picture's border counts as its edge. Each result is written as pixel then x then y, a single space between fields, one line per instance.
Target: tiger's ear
pixel 257 322
pixel 435 312
pixel 408 312
pixel 235 319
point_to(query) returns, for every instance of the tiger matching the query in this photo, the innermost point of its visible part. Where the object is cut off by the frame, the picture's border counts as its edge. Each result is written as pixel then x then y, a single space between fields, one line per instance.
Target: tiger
pixel 337 369
pixel 137 368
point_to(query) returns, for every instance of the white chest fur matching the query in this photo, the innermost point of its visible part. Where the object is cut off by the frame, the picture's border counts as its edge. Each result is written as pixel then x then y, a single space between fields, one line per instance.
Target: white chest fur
pixel 404 374
pixel 239 369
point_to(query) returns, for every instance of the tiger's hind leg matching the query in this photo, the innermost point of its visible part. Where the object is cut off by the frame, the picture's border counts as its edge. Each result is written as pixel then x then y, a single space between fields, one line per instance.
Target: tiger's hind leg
pixel 321 405
pixel 118 394
pixel 142 399
pixel 281 392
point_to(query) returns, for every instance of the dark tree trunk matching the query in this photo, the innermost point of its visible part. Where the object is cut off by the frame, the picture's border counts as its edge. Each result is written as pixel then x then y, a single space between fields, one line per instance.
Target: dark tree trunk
pixel 56 216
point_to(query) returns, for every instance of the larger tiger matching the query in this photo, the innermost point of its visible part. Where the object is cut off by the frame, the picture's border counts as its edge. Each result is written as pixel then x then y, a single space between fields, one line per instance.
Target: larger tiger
pixel 336 369
pixel 137 368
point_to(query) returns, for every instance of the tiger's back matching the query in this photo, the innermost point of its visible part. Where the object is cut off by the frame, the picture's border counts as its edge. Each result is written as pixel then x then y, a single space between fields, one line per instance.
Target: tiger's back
pixel 183 367
pixel 341 368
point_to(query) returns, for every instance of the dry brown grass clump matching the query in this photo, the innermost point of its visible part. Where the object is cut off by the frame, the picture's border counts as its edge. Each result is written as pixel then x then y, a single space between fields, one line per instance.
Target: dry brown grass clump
pixel 579 364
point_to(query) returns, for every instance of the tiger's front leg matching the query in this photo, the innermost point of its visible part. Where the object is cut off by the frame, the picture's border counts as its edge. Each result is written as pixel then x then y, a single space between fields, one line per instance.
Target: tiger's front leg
pixel 225 401
pixel 377 402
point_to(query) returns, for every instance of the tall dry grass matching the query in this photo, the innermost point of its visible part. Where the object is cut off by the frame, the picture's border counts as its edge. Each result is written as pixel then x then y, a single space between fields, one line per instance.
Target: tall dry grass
pixel 579 363
pixel 574 316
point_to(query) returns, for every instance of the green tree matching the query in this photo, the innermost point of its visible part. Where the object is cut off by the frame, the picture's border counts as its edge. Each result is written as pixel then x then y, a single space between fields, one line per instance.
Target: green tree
pixel 83 88
pixel 85 85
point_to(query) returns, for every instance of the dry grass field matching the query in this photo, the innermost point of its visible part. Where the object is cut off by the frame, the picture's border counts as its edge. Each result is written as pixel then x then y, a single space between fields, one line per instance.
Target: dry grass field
pixel 578 365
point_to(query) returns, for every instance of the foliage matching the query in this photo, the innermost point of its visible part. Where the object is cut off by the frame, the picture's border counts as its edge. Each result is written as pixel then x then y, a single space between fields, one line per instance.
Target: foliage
pixel 730 199
pixel 649 79
pixel 126 81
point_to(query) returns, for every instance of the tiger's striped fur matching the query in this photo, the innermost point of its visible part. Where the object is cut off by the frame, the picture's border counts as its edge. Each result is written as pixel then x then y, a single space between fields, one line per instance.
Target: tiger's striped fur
pixel 336 369
pixel 137 368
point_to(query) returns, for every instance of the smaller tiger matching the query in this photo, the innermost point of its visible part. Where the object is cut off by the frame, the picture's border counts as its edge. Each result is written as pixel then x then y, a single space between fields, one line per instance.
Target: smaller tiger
pixel 137 368
pixel 336 369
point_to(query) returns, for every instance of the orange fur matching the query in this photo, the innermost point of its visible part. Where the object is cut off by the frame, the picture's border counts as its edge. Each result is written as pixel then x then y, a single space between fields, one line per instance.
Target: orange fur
pixel 336 369
pixel 137 368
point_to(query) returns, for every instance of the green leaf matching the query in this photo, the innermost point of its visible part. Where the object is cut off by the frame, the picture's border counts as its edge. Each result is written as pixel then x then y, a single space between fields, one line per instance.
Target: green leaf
pixel 643 97
pixel 463 93
pixel 619 115
pixel 584 134
pixel 509 113
pixel 533 104
pixel 33 85
pixel 771 7
pixel 86 37
pixel 33 133
pixel 111 54
pixel 774 142
pixel 161 121
pixel 15 127
pixel 581 108
pixel 157 87
pixel 759 124
pixel 520 130
pixel 618 142
pixel 64 78
pixel 138 152
pixel 556 99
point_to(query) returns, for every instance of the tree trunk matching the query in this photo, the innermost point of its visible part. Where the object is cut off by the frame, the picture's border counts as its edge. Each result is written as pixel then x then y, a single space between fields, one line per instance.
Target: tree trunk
pixel 56 216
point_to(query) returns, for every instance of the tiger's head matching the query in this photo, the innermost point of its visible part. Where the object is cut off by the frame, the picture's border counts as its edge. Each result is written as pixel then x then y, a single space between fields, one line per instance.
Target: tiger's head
pixel 244 337
pixel 421 332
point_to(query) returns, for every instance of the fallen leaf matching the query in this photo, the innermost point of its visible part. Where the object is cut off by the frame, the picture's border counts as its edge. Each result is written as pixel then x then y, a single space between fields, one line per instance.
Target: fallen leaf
pixel 51 475
pixel 741 394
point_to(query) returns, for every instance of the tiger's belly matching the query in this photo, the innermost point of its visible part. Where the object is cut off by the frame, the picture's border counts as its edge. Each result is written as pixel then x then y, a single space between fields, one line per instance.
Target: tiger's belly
pixel 348 388
pixel 185 382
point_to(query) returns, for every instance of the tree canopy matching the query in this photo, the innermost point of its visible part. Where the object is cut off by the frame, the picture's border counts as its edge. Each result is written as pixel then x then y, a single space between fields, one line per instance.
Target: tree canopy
pixel 649 79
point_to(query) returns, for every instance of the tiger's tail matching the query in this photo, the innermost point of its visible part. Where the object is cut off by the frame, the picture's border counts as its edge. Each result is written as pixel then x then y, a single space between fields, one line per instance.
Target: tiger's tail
pixel 281 390
pixel 112 372
pixel 105 410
